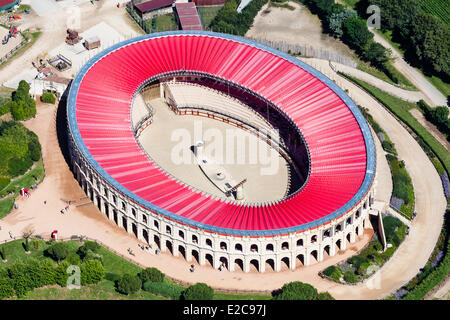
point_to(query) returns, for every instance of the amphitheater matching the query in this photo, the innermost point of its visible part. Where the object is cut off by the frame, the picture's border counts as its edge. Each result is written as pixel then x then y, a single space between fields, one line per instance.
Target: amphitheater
pixel 126 102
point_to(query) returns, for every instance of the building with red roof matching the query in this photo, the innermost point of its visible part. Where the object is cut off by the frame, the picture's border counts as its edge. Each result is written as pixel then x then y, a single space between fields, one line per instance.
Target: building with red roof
pixel 187 16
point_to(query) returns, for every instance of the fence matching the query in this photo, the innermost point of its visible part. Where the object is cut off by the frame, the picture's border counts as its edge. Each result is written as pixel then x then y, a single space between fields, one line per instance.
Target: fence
pixel 177 281
pixel 13 51
pixel 306 51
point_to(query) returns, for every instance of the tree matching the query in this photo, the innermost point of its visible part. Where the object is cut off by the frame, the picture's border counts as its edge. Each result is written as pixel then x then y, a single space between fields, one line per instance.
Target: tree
pixel 325 296
pixel 86 247
pixel 61 274
pixel 336 21
pixel 198 291
pixel 58 251
pixel 297 291
pixel 48 97
pixel 356 33
pixel 92 271
pixel 151 274
pixel 377 54
pixel 129 284
pixel 6 287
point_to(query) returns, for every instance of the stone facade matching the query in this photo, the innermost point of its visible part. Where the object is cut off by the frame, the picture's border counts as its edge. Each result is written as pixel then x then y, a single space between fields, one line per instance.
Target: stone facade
pixel 277 252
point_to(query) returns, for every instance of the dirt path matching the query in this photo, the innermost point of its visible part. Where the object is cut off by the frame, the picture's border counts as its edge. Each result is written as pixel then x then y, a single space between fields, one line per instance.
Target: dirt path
pixel 432 95
pixel 298 26
pixel 408 95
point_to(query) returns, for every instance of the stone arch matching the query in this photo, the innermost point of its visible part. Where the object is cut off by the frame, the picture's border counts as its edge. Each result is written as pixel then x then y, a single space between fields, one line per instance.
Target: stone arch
pixel 195 255
pixel 210 259
pixel 134 228
pixel 145 235
pixel 285 263
pixel 326 250
pixel 125 224
pixel 182 251
pixel 169 246
pixel 156 224
pixel 339 244
pixel 314 255
pixel 270 263
pixel 285 246
pixel 208 242
pixel 116 217
pixel 254 264
pixel 168 230
pixel 223 245
pixel 238 262
pixel 181 234
pixel 348 237
pixel 314 239
pixel 224 262
pixel 269 247
pixel 300 243
pixel 300 258
pixel 157 241
pixel 238 247
pixel 194 239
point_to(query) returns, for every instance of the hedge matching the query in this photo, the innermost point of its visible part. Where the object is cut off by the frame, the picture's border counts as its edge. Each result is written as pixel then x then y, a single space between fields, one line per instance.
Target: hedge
pixel 163 289
pixel 432 280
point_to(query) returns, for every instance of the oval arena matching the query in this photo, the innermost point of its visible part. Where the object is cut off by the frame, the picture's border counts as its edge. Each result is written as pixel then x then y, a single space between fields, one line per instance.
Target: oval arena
pixel 322 138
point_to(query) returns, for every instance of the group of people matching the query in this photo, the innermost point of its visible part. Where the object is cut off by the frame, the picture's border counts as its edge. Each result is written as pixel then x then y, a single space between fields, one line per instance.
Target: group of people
pixel 145 247
pixel 66 208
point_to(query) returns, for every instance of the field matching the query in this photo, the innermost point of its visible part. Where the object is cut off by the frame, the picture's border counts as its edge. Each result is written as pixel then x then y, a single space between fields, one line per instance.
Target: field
pixel 438 8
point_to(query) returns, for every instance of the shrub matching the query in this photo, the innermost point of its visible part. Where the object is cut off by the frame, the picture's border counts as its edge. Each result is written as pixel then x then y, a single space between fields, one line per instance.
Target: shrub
pixel 47 271
pixel 6 287
pixel 90 255
pixel 333 272
pixel 350 277
pixel 88 245
pixel 151 274
pixel 362 270
pixel 61 274
pixel 73 258
pixel 198 291
pixel 163 289
pixel 297 291
pixel 23 278
pixel 58 251
pixel 129 284
pixel 325 296
pixel 48 97
pixel 92 271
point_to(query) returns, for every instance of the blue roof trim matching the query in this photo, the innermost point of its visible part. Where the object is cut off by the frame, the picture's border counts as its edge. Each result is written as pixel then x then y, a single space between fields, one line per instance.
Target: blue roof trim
pixel 370 146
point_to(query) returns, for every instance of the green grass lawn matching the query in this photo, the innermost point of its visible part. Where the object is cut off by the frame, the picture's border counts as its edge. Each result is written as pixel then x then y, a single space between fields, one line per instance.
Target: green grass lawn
pixel 401 109
pixel 162 23
pixel 207 14
pixel 104 290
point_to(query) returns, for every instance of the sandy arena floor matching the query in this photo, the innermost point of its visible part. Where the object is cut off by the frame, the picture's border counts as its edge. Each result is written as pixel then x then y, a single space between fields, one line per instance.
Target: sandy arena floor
pixel 160 142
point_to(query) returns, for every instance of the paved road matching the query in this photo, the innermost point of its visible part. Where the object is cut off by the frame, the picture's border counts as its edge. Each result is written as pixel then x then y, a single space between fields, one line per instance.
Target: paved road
pixel 432 95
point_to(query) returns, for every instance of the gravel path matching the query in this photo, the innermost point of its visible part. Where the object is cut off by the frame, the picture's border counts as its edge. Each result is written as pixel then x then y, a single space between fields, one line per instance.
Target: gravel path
pixel 432 95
